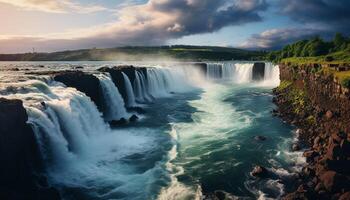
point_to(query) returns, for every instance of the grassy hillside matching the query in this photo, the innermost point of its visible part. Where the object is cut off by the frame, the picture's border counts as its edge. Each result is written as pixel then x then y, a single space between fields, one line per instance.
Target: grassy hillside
pixel 178 52
pixel 315 50
pixel 335 53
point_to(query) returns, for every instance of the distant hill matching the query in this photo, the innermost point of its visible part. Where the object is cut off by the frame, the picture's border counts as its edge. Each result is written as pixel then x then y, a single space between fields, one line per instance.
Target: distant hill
pixel 178 52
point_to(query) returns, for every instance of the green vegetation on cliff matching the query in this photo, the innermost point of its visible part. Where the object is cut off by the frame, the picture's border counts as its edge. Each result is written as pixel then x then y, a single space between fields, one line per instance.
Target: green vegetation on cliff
pixel 314 50
pixel 178 52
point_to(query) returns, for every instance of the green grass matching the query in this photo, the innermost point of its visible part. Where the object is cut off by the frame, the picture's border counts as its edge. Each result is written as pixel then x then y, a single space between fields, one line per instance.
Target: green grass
pixel 183 49
pixel 340 57
pixel 283 85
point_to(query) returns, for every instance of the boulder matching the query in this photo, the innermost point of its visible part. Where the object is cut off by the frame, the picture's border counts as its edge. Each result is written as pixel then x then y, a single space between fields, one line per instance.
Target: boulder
pixel 332 181
pixel 260 138
pixel 133 118
pixel 296 147
pixel 259 171
pixel 329 114
pixel 119 122
pixel 310 155
pixel 345 196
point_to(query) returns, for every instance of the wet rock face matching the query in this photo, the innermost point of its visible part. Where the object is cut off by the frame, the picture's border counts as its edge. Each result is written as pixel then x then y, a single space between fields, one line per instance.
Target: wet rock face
pixel 259 171
pixel 86 83
pixel 324 125
pixel 202 67
pixel 20 160
pixel 258 71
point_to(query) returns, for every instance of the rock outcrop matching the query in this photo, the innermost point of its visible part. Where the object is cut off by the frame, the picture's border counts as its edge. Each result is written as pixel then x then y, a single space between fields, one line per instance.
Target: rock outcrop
pixel 86 83
pixel 315 102
pixel 20 161
pixel 258 71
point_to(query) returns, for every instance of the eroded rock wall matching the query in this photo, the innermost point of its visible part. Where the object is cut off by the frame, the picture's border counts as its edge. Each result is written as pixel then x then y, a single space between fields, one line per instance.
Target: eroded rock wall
pixel 20 161
pixel 316 103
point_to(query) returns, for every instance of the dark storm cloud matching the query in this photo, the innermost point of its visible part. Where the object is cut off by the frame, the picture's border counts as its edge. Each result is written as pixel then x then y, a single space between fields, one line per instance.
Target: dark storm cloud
pixel 316 17
pixel 328 13
pixel 277 38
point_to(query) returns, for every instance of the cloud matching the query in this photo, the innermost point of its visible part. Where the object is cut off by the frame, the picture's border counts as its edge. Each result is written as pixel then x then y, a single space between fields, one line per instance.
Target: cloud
pixel 330 14
pixel 54 6
pixel 277 38
pixel 316 17
pixel 154 23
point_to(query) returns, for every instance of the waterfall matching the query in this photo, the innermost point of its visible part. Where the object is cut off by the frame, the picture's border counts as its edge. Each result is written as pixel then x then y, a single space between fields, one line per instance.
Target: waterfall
pixel 214 71
pixel 156 83
pixel 271 75
pixel 114 107
pixel 144 89
pixel 243 73
pixel 164 81
pixel 138 90
pixel 63 119
pixel 129 91
pixel 240 72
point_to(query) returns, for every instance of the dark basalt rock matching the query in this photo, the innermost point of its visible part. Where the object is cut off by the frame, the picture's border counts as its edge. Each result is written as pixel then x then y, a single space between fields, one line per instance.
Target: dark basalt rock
pixel 139 110
pixel 258 71
pixel 86 83
pixel 296 147
pixel 260 138
pixel 20 160
pixel 259 171
pixel 119 122
pixel 133 118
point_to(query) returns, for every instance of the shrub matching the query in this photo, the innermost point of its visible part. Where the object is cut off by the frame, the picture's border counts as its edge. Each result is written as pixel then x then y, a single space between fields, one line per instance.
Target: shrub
pixel 346 83
pixel 329 59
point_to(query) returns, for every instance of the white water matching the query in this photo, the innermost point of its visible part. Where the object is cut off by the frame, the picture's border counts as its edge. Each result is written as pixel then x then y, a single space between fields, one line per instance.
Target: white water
pixel 129 91
pixel 162 82
pixel 83 152
pixel 242 73
pixel 214 70
pixel 79 148
pixel 114 107
pixel 139 93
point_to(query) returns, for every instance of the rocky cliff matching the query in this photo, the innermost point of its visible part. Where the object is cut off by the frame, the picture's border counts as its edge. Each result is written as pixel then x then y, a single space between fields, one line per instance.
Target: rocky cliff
pixel 316 103
pixel 20 162
pixel 86 83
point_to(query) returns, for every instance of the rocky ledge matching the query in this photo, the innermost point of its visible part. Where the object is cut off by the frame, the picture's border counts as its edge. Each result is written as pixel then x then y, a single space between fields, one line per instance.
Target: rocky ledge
pixel 20 162
pixel 317 104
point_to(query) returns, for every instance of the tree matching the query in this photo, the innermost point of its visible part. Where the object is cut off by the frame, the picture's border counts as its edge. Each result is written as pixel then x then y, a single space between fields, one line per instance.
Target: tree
pixel 338 42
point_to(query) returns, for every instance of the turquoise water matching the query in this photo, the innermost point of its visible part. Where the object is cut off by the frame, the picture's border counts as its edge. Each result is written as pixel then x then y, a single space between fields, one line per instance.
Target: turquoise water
pixel 213 132
pixel 187 145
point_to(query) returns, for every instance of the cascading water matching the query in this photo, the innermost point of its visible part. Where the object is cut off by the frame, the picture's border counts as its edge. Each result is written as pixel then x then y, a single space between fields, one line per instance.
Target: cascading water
pixel 213 146
pixel 129 91
pixel 164 81
pixel 140 88
pixel 114 107
pixel 214 71
pixel 271 75
pixel 243 73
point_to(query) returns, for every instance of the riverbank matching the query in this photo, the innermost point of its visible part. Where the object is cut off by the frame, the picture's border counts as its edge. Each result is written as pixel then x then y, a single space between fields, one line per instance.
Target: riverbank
pixel 317 103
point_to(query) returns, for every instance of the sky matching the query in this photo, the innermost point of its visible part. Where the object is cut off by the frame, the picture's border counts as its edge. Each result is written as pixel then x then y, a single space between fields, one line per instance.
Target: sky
pixel 56 25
